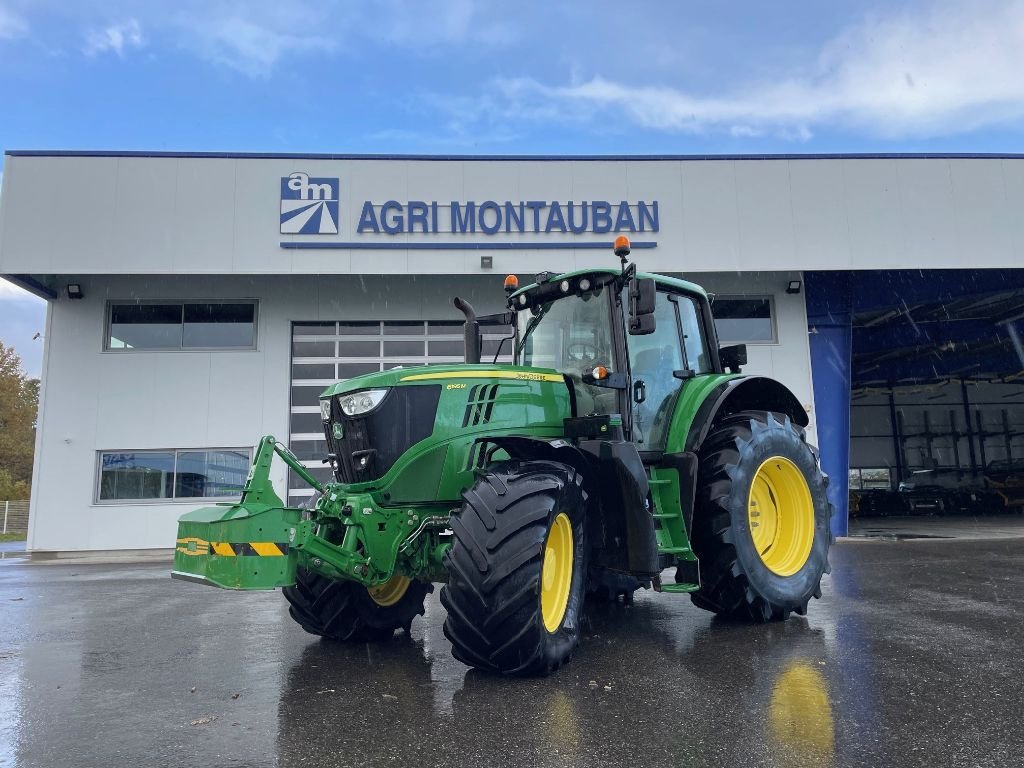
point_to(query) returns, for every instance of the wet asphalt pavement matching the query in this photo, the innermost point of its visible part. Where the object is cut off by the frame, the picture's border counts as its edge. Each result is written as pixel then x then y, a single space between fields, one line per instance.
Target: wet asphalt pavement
pixel 912 657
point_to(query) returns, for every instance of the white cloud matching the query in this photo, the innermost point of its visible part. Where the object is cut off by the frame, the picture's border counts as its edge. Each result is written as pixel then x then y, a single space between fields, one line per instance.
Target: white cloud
pixel 12 25
pixel 950 69
pixel 428 26
pixel 251 48
pixel 268 33
pixel 115 38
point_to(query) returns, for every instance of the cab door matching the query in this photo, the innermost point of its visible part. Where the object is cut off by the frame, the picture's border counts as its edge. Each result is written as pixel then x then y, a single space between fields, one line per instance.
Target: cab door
pixel 660 364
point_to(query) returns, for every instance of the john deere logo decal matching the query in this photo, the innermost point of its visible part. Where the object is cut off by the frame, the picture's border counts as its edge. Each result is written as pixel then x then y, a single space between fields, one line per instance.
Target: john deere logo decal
pixel 309 205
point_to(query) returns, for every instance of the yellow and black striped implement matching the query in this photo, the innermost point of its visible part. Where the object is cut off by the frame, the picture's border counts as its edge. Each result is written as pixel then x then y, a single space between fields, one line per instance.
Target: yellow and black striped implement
pixel 195 546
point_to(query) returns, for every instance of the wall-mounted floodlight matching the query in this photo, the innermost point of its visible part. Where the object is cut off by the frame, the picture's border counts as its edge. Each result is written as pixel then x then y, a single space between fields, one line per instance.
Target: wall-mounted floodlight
pixel 793 286
pixel 486 262
pixel 74 291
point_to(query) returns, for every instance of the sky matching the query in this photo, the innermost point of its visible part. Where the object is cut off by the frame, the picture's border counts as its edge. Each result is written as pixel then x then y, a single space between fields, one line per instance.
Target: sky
pixel 477 77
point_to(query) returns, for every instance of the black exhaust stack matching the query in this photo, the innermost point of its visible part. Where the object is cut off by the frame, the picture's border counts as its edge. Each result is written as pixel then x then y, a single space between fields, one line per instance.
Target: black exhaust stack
pixel 471 329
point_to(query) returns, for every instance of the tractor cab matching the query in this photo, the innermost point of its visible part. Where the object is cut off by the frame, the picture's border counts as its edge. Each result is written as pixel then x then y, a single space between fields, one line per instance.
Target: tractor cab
pixel 628 341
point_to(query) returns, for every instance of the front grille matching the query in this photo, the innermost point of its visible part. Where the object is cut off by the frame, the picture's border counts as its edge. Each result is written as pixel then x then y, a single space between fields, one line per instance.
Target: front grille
pixel 404 417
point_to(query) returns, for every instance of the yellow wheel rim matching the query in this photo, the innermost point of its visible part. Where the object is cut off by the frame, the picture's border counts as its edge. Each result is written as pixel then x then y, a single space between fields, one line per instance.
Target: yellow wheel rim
pixel 556 573
pixel 390 592
pixel 781 516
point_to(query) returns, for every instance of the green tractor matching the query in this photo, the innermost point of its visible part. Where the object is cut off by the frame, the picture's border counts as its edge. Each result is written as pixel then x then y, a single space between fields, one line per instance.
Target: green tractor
pixel 622 442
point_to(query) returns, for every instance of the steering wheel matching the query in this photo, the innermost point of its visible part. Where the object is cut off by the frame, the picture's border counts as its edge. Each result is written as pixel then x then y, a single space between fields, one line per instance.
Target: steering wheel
pixel 582 352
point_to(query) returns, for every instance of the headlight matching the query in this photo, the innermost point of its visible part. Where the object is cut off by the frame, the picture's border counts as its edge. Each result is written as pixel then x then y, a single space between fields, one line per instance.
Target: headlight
pixel 361 402
pixel 325 410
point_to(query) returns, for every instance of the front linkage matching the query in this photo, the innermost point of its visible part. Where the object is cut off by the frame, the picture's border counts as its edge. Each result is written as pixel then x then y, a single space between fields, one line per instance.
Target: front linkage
pixel 259 542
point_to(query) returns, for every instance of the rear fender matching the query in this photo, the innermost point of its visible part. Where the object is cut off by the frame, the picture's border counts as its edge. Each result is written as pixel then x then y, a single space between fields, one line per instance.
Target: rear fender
pixel 744 393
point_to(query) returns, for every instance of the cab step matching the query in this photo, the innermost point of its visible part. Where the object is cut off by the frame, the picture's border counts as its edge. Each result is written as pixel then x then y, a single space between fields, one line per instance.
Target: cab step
pixel 680 588
pixel 670 528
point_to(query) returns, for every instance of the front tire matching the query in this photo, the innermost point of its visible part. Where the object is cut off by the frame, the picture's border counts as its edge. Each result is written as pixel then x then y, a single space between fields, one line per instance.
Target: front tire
pixel 762 519
pixel 517 569
pixel 347 611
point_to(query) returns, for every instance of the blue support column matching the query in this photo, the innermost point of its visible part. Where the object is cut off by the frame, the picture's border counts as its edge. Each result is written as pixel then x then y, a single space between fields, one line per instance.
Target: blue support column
pixel 829 323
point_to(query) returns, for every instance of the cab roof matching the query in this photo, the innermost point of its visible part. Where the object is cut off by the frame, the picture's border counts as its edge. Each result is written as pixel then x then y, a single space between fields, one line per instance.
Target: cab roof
pixel 661 280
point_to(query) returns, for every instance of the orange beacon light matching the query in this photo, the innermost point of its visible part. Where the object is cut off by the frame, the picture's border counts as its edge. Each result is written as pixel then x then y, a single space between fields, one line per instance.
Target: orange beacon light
pixel 621 246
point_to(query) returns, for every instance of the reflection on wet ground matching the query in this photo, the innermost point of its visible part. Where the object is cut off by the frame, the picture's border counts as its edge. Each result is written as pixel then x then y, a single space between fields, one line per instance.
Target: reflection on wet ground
pixel 10 550
pixel 909 659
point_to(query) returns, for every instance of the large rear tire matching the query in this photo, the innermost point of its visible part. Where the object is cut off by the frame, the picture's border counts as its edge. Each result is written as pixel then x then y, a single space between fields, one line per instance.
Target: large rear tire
pixel 761 524
pixel 517 569
pixel 345 610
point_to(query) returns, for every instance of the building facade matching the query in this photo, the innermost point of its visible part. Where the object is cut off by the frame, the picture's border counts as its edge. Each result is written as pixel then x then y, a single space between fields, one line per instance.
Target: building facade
pixel 199 301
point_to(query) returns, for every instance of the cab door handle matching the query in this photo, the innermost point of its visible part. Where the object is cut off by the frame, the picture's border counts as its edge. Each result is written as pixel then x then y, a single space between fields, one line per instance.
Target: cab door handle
pixel 639 391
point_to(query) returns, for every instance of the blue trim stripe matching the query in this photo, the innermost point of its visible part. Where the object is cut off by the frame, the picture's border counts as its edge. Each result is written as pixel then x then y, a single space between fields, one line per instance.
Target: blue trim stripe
pixel 32 285
pixel 514 158
pixel 432 246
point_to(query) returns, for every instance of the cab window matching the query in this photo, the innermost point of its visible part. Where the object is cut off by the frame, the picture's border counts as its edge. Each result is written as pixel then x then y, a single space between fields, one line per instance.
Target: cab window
pixel 573 335
pixel 653 359
pixel 695 347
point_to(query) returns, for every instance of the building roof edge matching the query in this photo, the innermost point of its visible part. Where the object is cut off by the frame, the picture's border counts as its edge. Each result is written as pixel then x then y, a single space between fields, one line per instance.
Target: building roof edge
pixel 533 158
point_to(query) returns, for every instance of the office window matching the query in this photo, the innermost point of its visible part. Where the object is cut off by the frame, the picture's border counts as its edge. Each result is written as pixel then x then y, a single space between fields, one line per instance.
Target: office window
pixel 172 474
pixel 181 325
pixel 145 326
pixel 219 325
pixel 744 319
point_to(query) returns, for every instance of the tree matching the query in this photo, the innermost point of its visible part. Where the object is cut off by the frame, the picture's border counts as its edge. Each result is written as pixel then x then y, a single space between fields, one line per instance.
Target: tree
pixel 19 402
pixel 11 490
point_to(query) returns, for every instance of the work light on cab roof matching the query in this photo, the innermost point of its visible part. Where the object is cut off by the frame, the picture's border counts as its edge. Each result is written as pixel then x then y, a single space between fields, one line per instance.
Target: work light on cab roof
pixel 621 441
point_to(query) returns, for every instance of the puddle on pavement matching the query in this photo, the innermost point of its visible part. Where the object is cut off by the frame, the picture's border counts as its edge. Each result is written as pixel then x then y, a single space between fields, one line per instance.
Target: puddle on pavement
pixel 896 535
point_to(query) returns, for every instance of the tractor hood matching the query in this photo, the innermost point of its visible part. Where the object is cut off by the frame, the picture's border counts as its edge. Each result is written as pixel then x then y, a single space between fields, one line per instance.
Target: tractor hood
pixel 441 374
pixel 416 426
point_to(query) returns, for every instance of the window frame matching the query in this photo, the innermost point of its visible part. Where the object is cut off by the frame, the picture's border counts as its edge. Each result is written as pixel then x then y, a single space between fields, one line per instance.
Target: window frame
pixel 98 477
pixel 108 324
pixel 772 311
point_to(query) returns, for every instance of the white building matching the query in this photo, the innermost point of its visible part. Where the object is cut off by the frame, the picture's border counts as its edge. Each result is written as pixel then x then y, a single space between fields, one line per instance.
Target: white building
pixel 199 301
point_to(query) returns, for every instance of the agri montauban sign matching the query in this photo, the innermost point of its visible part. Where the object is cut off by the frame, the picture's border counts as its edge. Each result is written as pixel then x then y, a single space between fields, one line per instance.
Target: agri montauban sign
pixel 309 206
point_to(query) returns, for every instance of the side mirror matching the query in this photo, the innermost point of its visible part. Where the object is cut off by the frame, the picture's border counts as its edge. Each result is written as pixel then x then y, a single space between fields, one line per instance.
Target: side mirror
pixel 642 294
pixel 733 357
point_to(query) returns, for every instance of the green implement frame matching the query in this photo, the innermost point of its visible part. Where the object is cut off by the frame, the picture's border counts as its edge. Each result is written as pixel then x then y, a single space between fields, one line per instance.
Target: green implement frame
pixel 259 542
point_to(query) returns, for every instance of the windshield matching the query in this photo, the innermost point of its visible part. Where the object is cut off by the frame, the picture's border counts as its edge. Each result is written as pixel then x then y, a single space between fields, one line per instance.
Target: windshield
pixel 572 335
